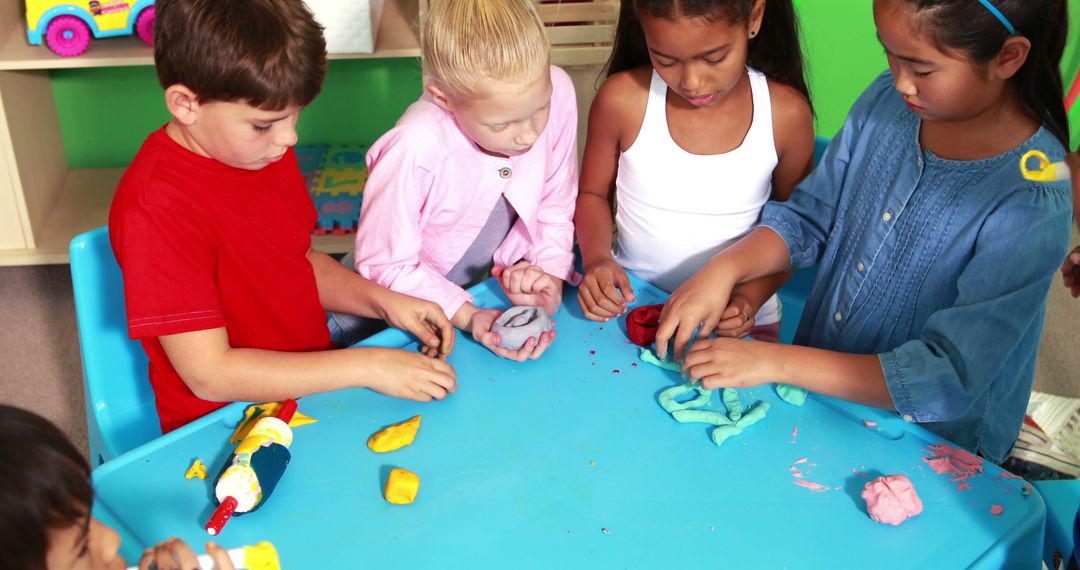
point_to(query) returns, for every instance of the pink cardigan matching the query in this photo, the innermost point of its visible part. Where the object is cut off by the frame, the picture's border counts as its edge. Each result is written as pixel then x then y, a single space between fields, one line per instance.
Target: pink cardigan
pixel 431 189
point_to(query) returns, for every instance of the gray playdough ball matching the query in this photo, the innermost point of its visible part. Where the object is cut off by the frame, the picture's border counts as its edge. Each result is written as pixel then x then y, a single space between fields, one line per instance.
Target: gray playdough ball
pixel 517 324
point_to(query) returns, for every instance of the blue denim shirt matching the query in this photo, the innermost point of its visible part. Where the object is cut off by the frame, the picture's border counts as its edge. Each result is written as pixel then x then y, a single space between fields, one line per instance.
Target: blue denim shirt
pixel 939 267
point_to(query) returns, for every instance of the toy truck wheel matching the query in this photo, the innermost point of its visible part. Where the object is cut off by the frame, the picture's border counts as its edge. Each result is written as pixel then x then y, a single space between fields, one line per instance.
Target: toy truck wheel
pixel 67 36
pixel 144 26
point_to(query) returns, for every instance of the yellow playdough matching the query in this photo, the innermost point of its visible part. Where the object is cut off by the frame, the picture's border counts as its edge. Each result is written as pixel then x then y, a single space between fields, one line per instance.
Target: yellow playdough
pixel 395 436
pixel 261 556
pixel 197 469
pixel 256 412
pixel 402 486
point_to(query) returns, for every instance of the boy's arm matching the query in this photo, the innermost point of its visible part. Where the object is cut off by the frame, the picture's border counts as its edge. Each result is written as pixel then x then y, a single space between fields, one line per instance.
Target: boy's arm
pixel 217 372
pixel 343 291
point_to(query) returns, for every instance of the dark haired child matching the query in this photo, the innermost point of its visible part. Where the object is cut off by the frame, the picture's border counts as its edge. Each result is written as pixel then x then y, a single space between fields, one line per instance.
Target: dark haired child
pixel 705 116
pixel 211 226
pixel 45 502
pixel 935 252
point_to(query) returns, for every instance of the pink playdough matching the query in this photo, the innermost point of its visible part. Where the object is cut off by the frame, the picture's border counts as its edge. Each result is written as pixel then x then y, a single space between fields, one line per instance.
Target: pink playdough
pixel 891 499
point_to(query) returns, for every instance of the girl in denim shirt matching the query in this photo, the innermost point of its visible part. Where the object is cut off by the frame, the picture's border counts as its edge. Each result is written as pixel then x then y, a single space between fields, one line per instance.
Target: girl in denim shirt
pixel 935 253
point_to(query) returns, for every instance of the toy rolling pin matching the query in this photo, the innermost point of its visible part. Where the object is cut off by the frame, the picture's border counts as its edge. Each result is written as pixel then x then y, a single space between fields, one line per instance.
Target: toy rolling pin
pixel 256 466
pixel 1046 171
pixel 261 556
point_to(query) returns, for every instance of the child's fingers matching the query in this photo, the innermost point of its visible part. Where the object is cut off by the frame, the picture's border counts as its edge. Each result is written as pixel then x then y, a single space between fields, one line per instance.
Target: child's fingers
pixel 220 557
pixel 623 283
pixel 731 324
pixel 534 348
pixel 591 307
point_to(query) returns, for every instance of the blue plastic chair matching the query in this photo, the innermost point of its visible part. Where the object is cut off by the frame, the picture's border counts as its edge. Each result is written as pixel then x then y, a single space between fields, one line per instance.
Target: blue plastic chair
pixel 120 410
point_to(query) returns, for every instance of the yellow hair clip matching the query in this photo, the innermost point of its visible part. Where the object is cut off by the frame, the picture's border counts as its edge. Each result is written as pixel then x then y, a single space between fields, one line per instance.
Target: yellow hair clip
pixel 1046 171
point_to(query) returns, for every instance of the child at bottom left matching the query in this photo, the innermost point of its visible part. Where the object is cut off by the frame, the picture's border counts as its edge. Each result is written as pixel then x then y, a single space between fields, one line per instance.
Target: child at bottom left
pixel 45 502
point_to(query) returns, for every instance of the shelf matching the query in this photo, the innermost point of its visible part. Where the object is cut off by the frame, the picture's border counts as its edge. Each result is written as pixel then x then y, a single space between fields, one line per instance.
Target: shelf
pixel 83 205
pixel 397 36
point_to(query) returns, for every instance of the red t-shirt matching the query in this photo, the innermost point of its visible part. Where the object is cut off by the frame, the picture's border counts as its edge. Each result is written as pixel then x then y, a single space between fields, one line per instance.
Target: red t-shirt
pixel 203 245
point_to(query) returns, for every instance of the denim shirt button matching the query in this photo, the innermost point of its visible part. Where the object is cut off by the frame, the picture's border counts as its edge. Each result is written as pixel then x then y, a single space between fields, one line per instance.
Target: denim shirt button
pixel 838 317
pixel 887 216
pixel 860 267
pixel 908 418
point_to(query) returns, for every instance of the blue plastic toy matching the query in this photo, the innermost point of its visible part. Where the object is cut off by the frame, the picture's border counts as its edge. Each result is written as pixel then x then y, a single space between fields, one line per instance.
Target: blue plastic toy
pixel 120 410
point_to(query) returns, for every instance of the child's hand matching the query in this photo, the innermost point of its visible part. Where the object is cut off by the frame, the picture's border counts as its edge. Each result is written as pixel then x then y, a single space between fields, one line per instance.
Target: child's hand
pixel 173 554
pixel 737 319
pixel 480 326
pixel 731 363
pixel 423 319
pixel 527 284
pixel 700 302
pixel 605 291
pixel 1070 272
pixel 405 374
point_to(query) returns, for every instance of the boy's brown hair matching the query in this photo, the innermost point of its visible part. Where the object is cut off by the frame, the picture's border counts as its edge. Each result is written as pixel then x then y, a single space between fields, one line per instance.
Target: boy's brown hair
pixel 267 53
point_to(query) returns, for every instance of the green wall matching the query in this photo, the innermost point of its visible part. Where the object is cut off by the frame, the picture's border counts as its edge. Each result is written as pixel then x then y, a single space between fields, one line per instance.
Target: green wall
pixel 106 113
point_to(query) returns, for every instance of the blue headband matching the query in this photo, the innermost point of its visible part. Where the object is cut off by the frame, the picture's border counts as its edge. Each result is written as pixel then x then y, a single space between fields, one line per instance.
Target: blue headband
pixel 1001 17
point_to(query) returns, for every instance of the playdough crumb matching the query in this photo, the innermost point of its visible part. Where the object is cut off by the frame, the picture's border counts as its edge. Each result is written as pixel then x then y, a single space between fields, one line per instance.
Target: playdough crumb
pixel 605 530
pixel 891 499
pixel 592 463
pixel 996 510
pixel 869 423
pixel 395 436
pixel 810 485
pixel 197 469
pixel 616 371
pixel 592 352
pixel 800 460
pixel 795 432
pixel 401 487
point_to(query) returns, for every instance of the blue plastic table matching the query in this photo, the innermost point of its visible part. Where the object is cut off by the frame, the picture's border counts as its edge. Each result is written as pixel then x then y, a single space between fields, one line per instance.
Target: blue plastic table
pixel 569 461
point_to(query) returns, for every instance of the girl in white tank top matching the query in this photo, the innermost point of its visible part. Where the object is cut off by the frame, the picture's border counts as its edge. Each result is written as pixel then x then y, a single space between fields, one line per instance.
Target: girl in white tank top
pixel 695 175
pixel 677 209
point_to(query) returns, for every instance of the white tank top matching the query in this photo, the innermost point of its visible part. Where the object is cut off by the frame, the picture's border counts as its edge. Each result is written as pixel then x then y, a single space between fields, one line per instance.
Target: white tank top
pixel 677 209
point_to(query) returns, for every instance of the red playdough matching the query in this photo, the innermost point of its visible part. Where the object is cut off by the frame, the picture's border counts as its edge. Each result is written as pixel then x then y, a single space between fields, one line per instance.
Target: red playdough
pixel 641 324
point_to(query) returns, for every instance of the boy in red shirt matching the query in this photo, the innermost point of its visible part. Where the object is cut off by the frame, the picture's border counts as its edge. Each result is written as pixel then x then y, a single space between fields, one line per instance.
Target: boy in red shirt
pixel 211 226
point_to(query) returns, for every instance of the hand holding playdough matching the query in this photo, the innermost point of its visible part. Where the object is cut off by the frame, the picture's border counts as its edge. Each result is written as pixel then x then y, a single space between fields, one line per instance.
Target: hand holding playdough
pixel 518 324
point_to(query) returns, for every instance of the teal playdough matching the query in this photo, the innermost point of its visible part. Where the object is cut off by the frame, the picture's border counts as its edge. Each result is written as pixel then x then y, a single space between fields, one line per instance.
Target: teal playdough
pixel 668 398
pixel 791 394
pixel 731 424
pixel 733 404
pixel 650 357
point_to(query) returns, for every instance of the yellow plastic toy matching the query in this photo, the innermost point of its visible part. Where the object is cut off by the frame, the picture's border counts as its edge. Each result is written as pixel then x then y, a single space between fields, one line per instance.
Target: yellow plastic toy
pixel 67 26
pixel 1046 171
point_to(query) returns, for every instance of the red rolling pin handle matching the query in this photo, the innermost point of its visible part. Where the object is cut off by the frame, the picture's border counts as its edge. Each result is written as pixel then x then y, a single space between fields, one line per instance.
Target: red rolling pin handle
pixel 221 516
pixel 288 408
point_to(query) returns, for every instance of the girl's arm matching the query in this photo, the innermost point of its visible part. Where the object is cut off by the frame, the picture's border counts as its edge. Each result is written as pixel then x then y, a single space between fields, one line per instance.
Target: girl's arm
pixel 793 133
pixel 551 248
pixel 701 301
pixel 735 363
pixel 389 236
pixel 605 290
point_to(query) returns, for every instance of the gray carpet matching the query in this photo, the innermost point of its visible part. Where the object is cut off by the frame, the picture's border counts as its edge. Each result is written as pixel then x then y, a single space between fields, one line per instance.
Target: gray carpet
pixel 40 368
